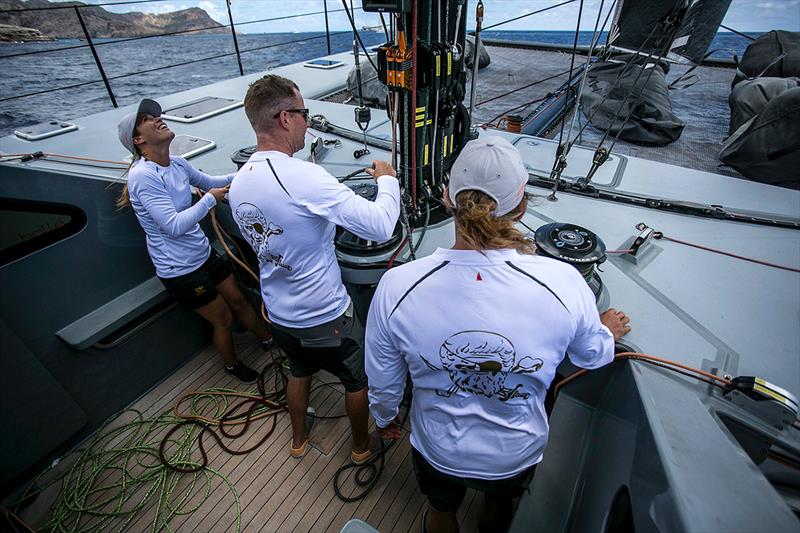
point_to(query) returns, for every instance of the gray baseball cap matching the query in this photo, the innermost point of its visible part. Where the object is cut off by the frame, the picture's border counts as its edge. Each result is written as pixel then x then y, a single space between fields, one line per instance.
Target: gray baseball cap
pixel 493 166
pixel 128 123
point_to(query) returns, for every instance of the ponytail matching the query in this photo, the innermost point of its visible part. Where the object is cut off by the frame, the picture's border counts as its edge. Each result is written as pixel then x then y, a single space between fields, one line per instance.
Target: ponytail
pixel 124 198
pixel 482 230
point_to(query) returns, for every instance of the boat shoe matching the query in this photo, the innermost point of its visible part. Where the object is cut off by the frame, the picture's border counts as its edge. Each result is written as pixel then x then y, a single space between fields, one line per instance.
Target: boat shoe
pixel 375 449
pixel 300 451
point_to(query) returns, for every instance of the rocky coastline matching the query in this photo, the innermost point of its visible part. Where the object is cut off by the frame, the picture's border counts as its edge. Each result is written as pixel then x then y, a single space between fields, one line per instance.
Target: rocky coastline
pixel 46 24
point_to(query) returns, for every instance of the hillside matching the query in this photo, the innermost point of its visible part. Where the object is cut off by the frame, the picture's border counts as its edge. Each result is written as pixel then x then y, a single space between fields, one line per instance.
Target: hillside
pixel 63 23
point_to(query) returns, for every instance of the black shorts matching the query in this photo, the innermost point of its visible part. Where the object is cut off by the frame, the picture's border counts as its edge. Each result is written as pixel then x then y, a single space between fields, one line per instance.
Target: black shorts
pixel 336 346
pixel 445 492
pixel 199 288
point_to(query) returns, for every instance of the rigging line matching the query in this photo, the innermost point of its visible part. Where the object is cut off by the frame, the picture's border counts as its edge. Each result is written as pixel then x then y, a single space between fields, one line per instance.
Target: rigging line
pixel 696 373
pixel 385 29
pixel 633 88
pixel 273 45
pixel 630 113
pixel 659 235
pixel 520 107
pixel 595 40
pixel 529 14
pixel 218 56
pixel 571 66
pixel 358 36
pixel 618 80
pixel 50 90
pixel 512 91
pixel 737 32
pixel 287 17
pixel 166 34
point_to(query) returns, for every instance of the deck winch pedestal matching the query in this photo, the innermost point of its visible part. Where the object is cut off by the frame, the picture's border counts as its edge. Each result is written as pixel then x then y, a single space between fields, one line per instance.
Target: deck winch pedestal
pixel 580 248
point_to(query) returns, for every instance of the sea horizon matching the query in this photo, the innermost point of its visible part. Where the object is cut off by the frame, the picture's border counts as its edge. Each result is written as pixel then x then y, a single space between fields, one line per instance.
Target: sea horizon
pixel 66 84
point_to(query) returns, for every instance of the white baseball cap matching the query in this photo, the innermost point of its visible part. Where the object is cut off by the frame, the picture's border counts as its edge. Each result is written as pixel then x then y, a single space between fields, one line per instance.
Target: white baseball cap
pixel 128 123
pixel 493 166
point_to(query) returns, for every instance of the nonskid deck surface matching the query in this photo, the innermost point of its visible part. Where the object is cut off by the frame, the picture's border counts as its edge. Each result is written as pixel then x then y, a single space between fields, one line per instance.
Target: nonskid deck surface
pixel 702 106
pixel 274 491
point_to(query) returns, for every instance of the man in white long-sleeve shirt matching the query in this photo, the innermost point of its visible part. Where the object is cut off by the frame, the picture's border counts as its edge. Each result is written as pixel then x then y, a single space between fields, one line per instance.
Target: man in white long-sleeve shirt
pixel 288 210
pixel 481 328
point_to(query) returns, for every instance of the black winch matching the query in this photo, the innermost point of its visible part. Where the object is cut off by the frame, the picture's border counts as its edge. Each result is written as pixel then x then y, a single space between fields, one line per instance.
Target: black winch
pixel 575 245
pixel 351 243
pixel 242 156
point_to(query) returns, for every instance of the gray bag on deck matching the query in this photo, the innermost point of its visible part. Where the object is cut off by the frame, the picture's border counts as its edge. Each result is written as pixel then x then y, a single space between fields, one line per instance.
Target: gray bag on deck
pixel 760 54
pixel 766 147
pixel 652 121
pixel 750 97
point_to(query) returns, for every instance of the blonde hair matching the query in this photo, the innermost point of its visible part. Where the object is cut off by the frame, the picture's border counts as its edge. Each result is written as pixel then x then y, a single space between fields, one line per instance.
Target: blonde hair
pixel 481 229
pixel 124 198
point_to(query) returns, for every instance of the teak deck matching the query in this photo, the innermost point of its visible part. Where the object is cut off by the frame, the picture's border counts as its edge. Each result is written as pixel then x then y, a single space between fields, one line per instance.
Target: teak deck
pixel 275 492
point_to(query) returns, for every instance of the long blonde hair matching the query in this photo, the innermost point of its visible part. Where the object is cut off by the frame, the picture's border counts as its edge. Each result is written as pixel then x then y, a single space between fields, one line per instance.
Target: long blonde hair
pixel 124 198
pixel 482 230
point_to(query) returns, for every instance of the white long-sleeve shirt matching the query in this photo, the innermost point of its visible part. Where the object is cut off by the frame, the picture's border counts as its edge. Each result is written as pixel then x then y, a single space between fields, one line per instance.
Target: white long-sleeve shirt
pixel 161 197
pixel 481 335
pixel 288 210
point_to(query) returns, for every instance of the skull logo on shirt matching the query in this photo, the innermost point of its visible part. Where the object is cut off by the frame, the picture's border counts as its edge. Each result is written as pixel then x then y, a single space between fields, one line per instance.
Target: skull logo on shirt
pixel 479 362
pixel 257 230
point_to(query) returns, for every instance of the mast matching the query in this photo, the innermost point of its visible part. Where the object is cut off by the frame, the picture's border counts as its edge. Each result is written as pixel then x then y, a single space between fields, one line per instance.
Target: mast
pixel 424 72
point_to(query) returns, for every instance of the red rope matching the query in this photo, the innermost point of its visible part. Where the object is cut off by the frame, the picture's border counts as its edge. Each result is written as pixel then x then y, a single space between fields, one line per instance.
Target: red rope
pixel 659 235
pixel 396 253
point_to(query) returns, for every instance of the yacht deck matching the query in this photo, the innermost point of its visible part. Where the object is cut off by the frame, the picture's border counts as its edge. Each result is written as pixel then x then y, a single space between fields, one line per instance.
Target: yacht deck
pixel 273 491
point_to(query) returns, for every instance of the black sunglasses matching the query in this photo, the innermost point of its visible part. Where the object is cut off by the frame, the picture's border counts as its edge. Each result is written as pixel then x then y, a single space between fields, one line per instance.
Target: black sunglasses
pixel 303 110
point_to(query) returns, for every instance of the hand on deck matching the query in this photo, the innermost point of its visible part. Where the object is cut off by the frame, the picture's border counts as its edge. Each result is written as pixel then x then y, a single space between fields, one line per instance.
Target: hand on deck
pixel 617 322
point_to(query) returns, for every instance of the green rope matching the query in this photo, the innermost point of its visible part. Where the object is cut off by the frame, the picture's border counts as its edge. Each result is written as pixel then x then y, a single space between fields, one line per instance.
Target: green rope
pixel 118 475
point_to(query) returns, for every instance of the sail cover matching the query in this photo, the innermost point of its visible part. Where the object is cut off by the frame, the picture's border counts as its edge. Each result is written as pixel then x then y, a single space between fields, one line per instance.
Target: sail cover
pixel 628 96
pixel 636 26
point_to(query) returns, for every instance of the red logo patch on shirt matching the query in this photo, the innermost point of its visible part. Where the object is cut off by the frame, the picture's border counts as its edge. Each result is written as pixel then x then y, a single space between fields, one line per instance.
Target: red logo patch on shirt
pixel 478 277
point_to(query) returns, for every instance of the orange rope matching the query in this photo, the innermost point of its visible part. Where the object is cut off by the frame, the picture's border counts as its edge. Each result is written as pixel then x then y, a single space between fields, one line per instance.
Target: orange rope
pixel 645 357
pixel 219 231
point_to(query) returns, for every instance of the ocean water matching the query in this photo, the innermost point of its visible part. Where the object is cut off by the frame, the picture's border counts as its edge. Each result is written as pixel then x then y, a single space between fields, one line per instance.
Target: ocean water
pixel 163 65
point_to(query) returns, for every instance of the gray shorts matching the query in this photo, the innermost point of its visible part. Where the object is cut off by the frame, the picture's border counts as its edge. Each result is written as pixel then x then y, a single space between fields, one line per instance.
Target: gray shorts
pixel 336 346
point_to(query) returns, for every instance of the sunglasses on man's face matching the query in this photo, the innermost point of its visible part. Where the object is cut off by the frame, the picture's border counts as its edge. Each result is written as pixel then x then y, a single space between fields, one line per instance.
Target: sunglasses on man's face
pixel 304 110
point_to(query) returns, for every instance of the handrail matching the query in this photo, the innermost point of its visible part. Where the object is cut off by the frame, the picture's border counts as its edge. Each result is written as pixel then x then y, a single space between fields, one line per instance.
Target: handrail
pixel 105 79
pixel 166 34
pixel 164 67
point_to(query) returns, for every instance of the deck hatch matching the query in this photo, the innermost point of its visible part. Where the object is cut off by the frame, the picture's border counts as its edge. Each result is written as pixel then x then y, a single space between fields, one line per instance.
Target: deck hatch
pixel 188 146
pixel 200 109
pixel 44 130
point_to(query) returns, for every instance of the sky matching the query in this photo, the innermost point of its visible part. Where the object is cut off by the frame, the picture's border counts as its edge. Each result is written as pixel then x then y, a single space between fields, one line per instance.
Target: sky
pixel 743 15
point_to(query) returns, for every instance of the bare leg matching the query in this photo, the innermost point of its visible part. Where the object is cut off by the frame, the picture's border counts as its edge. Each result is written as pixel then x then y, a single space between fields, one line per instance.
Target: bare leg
pixel 495 513
pixel 297 392
pixel 242 309
pixel 439 522
pixel 357 406
pixel 218 314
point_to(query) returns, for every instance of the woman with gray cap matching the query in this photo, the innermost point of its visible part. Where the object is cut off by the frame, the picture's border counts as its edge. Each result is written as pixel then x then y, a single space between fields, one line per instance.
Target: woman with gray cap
pixel 158 190
pixel 481 328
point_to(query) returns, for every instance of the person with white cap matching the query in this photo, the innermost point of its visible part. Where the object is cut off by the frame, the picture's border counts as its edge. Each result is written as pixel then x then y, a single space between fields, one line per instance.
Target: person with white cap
pixel 481 329
pixel 158 190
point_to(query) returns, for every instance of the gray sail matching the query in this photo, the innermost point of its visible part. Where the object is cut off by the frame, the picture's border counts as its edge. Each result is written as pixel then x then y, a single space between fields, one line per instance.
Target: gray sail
pixel 634 24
